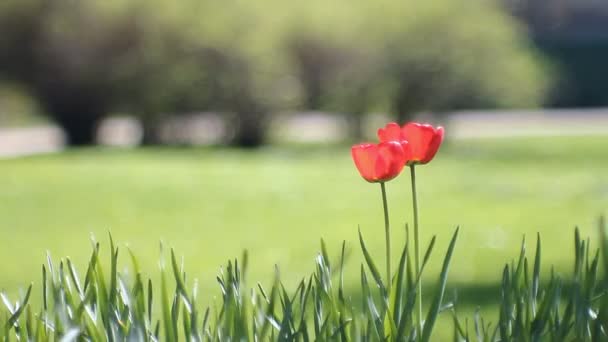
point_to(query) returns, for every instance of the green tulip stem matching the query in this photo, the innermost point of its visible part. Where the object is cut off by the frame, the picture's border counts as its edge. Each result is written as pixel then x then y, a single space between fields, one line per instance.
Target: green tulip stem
pixel 416 245
pixel 387 232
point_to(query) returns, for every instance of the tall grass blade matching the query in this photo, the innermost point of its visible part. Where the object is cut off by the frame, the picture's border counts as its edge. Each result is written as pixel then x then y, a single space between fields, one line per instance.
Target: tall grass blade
pixel 436 304
pixel 18 310
pixel 372 266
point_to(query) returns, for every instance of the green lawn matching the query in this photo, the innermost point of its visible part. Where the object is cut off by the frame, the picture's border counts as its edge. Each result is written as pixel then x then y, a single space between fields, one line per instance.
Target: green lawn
pixel 210 204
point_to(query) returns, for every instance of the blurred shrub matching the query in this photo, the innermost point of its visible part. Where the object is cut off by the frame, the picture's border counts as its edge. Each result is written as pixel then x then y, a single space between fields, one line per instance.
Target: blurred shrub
pixel 84 59
pixel 249 59
pixel 456 55
pixel 407 57
pixel 194 61
pixel 17 108
pixel 70 55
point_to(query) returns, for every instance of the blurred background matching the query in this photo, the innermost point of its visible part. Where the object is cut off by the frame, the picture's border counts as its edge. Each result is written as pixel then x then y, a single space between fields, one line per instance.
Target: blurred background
pixel 131 72
pixel 201 72
pixel 519 84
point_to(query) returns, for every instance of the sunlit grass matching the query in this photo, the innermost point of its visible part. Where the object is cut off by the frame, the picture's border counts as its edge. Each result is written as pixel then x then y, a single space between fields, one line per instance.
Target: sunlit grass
pixel 210 204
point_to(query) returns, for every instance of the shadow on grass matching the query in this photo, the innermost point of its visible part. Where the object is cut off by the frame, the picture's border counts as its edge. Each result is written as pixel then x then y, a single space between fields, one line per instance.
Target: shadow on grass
pixel 465 295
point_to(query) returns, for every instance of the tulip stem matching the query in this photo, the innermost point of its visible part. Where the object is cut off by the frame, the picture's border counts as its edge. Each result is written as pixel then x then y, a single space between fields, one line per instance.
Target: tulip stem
pixel 387 232
pixel 416 245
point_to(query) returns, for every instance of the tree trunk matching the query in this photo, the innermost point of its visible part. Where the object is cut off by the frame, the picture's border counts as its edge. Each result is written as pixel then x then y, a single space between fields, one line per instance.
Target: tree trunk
pixel 77 111
pixel 80 130
pixel 151 127
pixel 250 129
pixel 355 126
pixel 403 109
pixel 359 104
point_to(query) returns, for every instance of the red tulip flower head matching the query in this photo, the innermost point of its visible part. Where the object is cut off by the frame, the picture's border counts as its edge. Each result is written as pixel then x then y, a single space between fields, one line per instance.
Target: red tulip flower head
pixel 379 162
pixel 424 140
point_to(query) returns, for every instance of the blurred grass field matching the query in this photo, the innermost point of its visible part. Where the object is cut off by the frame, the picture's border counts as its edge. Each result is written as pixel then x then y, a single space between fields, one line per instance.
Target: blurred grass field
pixel 210 204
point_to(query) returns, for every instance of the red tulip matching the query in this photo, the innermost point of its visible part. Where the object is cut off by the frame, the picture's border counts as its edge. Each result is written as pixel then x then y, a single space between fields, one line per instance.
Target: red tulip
pixel 424 140
pixel 380 162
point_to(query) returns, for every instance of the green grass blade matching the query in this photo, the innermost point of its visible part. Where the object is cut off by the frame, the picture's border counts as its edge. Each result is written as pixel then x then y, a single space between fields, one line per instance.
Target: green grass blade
pixel 167 319
pixel 396 298
pixel 178 276
pixel 436 304
pixel 325 254
pixel 372 266
pixel 113 271
pixel 74 277
pixel 45 304
pixel 368 302
pixel 150 298
pixel 17 312
pixel 536 274
pixel 341 275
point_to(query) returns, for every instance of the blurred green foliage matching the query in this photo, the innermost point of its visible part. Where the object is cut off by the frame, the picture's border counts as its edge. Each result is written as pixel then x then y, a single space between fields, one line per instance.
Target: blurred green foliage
pixel 255 58
pixel 17 109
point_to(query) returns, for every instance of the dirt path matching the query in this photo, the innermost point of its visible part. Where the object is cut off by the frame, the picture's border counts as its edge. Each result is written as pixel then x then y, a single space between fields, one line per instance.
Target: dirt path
pixel 32 140
pixel 570 122
pixel 320 127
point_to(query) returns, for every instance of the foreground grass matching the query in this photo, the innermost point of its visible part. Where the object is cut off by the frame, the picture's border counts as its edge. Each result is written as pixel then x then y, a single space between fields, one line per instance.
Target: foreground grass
pixel 277 203
pixel 128 306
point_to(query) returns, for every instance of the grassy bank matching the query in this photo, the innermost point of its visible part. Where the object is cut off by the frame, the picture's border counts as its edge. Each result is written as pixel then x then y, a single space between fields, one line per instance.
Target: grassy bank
pixel 210 204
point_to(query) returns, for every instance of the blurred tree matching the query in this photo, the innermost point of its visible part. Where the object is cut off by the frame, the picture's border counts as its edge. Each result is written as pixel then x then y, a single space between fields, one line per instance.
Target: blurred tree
pixel 248 59
pixel 17 107
pixel 334 77
pixel 82 60
pixel 69 56
pixel 453 55
pixel 190 65
pixel 226 60
pixel 177 79
pixel 407 57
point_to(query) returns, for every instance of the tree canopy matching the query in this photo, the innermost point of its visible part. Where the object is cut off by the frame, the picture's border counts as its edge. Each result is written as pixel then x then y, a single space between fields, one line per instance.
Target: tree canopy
pixel 153 58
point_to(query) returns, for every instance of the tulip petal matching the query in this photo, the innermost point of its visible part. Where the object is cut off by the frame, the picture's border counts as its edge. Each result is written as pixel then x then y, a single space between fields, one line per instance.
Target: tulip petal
pixel 419 136
pixel 364 156
pixel 379 163
pixel 407 150
pixel 381 169
pixel 391 132
pixel 394 158
pixel 434 145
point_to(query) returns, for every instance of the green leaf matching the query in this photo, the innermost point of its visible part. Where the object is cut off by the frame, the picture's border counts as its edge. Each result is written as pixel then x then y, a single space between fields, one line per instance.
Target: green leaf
pixel 325 254
pixel 368 301
pixel 18 310
pixel 396 297
pixel 520 263
pixel 150 297
pixel 177 275
pixel 113 271
pixel 44 290
pixel 372 266
pixel 436 304
pixel 205 320
pixel 536 274
pixel 341 284
pixel 74 277
pixel 427 256
pixel 603 234
pixel 70 335
pixel 170 335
